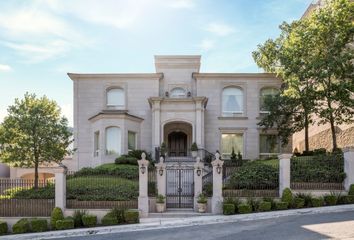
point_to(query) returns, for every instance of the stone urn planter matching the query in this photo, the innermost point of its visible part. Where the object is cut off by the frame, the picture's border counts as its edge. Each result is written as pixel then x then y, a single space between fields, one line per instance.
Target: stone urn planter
pixel 160 203
pixel 194 150
pixel 202 203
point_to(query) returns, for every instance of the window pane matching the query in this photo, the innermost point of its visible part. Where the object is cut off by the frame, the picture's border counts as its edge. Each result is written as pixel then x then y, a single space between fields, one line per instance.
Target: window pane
pixel 268 144
pixel 178 92
pixel 115 97
pixel 231 140
pixel 131 141
pixel 113 140
pixel 96 143
pixel 266 93
pixel 232 101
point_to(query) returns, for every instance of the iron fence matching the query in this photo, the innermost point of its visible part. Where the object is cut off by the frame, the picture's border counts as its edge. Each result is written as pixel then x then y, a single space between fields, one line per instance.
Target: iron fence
pixel 152 182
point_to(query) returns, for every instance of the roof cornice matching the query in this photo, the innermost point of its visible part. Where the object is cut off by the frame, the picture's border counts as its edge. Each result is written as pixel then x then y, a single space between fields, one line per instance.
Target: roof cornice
pixel 233 75
pixel 83 76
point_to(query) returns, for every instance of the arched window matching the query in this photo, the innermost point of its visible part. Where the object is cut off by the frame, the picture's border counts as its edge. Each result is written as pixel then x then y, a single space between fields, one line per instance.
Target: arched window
pixel 266 93
pixel 115 98
pixel 113 140
pixel 178 92
pixel 232 101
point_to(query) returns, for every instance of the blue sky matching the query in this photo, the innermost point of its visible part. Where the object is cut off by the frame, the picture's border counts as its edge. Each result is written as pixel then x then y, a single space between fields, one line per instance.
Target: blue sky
pixel 42 40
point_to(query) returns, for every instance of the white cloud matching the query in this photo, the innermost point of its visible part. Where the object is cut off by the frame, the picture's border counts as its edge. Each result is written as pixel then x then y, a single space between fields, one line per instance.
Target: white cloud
pixel 67 111
pixel 207 44
pixel 181 3
pixel 5 68
pixel 220 29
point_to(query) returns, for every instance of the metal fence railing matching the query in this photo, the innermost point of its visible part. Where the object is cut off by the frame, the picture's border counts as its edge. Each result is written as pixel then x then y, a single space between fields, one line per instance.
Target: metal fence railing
pixel 152 182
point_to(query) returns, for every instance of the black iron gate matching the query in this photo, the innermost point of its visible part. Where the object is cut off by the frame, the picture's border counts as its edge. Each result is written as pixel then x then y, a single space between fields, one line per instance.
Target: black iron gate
pixel 180 187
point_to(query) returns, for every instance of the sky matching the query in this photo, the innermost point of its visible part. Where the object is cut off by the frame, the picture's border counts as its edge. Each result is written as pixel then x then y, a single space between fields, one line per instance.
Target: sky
pixel 42 40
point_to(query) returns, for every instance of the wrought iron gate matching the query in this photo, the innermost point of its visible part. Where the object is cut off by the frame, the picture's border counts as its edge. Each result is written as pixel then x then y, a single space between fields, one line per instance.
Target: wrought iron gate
pixel 180 187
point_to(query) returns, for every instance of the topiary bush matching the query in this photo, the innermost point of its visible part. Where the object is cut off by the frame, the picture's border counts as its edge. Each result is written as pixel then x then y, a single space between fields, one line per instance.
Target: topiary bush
pixel 77 216
pixel 307 198
pixel 254 203
pixel 281 205
pixel 349 199
pixel 234 201
pixel 89 220
pixel 39 225
pixel 330 200
pixel 131 216
pixel 67 223
pixel 3 228
pixel 244 208
pixel 108 220
pixel 124 159
pixel 351 190
pixel 264 206
pixel 228 209
pixel 57 214
pixel 317 202
pixel 287 196
pixel 21 226
pixel 298 202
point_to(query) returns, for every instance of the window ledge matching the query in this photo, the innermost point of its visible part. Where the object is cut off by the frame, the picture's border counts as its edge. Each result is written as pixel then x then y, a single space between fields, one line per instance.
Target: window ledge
pixel 233 118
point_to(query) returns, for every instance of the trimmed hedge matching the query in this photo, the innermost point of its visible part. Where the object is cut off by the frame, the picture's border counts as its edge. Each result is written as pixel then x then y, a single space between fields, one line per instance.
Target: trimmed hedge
pixel 57 214
pixel 317 202
pixel 39 225
pixel 330 200
pixel 89 220
pixel 298 202
pixel 351 190
pixel 287 196
pixel 244 208
pixel 78 217
pixel 281 205
pixel 264 206
pixel 67 223
pixel 21 226
pixel 118 170
pixel 3 228
pixel 228 209
pixel 108 220
pixel 131 216
pixel 124 159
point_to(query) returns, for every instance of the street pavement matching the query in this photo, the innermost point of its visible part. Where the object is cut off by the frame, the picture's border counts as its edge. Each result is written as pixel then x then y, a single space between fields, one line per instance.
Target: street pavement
pixel 314 226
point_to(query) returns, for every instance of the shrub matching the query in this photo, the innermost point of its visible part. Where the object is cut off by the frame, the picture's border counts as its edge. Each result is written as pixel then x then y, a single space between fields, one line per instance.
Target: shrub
pixel 208 189
pixel 78 217
pixel 330 200
pixel 67 223
pixel 234 201
pixel 3 228
pixel 124 159
pixel 46 192
pixel 298 202
pixel 281 205
pixel 160 198
pixel 119 170
pixel 228 208
pixel 349 199
pixel 194 147
pixel 114 217
pixel 244 208
pixel 351 190
pixel 271 200
pixel 108 220
pixel 21 226
pixel 307 198
pixel 89 220
pixel 137 154
pixel 57 214
pixel 254 203
pixel 317 201
pixel 202 198
pixel 265 206
pixel 39 225
pixel 131 216
pixel 287 196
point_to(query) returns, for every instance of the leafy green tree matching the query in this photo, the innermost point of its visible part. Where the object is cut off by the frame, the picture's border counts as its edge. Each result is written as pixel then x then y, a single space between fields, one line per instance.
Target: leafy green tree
pixel 33 133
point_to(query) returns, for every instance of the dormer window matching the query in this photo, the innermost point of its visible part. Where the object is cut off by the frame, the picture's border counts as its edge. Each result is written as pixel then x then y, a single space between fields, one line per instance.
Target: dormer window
pixel 178 92
pixel 115 98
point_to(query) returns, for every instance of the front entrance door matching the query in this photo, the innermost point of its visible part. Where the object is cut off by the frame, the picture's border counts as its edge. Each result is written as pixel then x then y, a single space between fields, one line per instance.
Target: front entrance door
pixel 177 144
pixel 180 187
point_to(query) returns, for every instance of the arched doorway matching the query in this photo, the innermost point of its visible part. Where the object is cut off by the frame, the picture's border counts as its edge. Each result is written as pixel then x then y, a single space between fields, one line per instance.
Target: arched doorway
pixel 177 144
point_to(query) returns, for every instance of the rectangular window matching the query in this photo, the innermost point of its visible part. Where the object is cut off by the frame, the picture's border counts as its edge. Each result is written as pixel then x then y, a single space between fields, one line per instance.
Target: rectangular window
pixel 96 144
pixel 131 140
pixel 268 145
pixel 229 141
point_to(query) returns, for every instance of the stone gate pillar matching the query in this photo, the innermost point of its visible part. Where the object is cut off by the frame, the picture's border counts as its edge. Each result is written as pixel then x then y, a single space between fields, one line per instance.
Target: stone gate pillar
pixel 60 187
pixel 143 200
pixel 161 177
pixel 216 201
pixel 198 181
pixel 284 172
pixel 348 167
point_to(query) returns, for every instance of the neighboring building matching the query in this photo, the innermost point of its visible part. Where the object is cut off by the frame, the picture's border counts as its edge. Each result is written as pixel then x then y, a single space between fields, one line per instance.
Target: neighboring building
pixel 178 105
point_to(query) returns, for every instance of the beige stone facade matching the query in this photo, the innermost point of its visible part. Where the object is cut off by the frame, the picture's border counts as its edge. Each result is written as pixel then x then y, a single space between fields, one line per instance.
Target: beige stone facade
pixel 177 105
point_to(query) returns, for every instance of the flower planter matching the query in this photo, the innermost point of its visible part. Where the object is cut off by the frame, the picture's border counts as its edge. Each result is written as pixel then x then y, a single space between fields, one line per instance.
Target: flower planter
pixel 160 207
pixel 202 207
pixel 194 154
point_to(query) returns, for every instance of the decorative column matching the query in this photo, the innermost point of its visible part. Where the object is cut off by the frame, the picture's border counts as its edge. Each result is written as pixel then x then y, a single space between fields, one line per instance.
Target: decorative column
pixel 60 187
pixel 156 119
pixel 348 167
pixel 284 172
pixel 143 200
pixel 198 181
pixel 216 201
pixel 161 178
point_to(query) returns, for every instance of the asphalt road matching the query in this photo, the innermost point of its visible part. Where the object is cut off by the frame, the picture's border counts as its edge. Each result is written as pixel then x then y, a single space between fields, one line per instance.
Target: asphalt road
pixel 318 226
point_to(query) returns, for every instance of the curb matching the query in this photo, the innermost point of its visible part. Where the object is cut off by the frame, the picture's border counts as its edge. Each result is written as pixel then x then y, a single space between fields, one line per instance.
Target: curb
pixel 161 223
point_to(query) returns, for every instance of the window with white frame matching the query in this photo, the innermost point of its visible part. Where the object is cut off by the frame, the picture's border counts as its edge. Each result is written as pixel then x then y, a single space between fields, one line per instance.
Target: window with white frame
pixel 115 98
pixel 113 140
pixel 178 92
pixel 266 93
pixel 96 143
pixel 131 141
pixel 268 144
pixel 229 141
pixel 232 101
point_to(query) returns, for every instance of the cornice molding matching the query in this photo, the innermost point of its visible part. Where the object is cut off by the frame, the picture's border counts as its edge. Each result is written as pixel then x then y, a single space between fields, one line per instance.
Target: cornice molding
pixel 83 76
pixel 256 76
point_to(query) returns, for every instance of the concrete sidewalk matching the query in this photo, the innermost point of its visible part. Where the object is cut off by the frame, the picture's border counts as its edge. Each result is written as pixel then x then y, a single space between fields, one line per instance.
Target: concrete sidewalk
pixel 165 223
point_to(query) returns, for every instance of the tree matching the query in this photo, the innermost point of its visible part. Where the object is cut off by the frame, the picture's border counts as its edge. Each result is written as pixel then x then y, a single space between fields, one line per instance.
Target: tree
pixel 33 133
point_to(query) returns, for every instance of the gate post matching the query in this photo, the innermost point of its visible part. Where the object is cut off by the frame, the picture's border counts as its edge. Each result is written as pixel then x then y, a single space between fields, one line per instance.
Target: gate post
pixel 216 201
pixel 198 181
pixel 143 200
pixel 161 178
pixel 60 187
pixel 348 167
pixel 284 172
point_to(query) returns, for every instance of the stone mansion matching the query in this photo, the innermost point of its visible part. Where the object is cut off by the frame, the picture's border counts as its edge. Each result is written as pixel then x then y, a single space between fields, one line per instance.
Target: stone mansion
pixel 177 105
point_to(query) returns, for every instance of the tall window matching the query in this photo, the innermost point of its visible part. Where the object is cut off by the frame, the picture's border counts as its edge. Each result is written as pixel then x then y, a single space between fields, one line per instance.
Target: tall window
pixel 113 140
pixel 268 144
pixel 264 94
pixel 178 92
pixel 131 140
pixel 232 101
pixel 115 98
pixel 96 143
pixel 229 141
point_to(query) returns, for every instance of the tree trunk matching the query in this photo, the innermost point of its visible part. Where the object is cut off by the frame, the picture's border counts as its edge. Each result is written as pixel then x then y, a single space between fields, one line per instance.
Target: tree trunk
pixel 307 145
pixel 36 175
pixel 333 131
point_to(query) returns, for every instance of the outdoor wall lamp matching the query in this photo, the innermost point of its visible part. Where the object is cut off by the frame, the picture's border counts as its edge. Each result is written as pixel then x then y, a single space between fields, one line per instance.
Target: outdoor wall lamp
pixel 218 169
pixel 199 171
pixel 161 171
pixel 143 169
